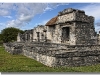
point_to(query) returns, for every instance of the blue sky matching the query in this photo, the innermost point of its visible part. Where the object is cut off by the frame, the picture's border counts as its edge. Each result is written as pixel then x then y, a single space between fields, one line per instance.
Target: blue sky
pixel 28 15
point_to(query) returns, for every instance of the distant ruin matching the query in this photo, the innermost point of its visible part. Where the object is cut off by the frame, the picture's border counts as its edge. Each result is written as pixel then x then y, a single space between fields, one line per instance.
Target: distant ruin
pixel 69 39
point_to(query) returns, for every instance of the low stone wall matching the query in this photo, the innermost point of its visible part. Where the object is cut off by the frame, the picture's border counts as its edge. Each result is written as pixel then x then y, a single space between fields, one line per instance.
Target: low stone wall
pixel 14 48
pixel 78 58
pixel 44 59
pixel 55 55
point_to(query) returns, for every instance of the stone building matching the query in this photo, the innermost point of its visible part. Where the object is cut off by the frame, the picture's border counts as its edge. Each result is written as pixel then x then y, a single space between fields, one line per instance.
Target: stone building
pixel 70 26
pixel 68 39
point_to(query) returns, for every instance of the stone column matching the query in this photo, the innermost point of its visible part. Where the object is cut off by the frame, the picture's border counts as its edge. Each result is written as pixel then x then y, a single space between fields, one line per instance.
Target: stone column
pixel 30 37
pixel 18 38
pixel 45 35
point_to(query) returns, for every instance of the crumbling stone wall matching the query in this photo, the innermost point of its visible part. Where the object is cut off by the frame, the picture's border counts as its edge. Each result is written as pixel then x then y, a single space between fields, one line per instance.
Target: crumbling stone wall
pixel 54 55
pixel 55 33
pixel 80 28
pixel 14 48
pixel 78 58
pixel 40 29
pixel 50 32
pixel 98 38
pixel 27 36
pixel 84 33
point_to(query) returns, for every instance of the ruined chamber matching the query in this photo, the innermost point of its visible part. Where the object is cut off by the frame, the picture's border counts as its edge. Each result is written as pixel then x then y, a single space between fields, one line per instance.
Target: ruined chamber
pixel 71 27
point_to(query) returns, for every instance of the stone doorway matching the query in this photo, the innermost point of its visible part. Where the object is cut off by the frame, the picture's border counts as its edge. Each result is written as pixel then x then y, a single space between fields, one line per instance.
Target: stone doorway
pixel 65 34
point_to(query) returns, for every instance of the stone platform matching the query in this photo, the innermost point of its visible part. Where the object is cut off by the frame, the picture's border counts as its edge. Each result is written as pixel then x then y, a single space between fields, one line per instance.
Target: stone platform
pixel 57 55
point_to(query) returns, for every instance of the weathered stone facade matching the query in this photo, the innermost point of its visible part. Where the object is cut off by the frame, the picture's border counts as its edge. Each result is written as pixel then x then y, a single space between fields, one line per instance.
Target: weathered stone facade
pixel 69 39
pixel 71 27
pixel 55 55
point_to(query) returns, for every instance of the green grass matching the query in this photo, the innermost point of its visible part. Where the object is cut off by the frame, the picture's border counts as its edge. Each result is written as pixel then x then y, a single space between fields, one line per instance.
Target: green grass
pixel 20 63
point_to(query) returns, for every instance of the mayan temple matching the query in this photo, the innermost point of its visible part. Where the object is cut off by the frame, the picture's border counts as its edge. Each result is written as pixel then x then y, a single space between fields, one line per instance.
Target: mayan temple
pixel 68 39
pixel 70 26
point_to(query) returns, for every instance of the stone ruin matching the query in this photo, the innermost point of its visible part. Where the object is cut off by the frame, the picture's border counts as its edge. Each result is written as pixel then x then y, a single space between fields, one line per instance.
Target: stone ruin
pixel 71 26
pixel 69 39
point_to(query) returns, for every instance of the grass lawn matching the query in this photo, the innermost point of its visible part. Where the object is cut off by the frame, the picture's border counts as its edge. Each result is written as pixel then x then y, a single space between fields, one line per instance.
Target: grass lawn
pixel 20 63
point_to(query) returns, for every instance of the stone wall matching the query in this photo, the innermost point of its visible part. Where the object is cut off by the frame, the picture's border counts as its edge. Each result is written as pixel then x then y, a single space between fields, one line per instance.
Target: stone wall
pixel 55 33
pixel 18 37
pixel 54 55
pixel 98 38
pixel 82 29
pixel 66 18
pixel 26 36
pixel 78 58
pixel 14 48
pixel 40 29
pixel 84 33
pixel 73 15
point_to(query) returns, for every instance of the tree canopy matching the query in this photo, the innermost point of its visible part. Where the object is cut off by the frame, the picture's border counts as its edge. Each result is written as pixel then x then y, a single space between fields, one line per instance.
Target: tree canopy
pixel 10 34
pixel 0 37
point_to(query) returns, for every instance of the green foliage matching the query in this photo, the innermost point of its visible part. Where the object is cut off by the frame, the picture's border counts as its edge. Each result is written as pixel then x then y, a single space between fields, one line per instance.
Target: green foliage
pixel 1 41
pixel 20 63
pixel 0 37
pixel 10 34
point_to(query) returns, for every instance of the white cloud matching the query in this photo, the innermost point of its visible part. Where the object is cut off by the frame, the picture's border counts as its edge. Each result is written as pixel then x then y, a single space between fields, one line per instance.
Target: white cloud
pixel 5 9
pixel 2 26
pixel 26 12
pixel 8 17
pixel 4 12
pixel 11 23
pixel 47 8
pixel 92 10
pixel 25 18
pixel 14 23
pixel 6 6
pixel 20 21
pixel 43 22
pixel 23 12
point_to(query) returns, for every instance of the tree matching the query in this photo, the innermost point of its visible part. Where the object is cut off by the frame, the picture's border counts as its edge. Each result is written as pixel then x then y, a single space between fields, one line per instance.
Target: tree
pixel 10 34
pixel 1 41
pixel 0 37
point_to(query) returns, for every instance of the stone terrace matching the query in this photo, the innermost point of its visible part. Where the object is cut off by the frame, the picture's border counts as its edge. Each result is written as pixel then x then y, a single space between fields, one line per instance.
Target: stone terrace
pixel 53 55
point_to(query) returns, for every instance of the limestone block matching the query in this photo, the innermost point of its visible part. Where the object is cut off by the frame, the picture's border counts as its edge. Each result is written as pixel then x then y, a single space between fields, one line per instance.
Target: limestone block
pixel 66 17
pixel 74 16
